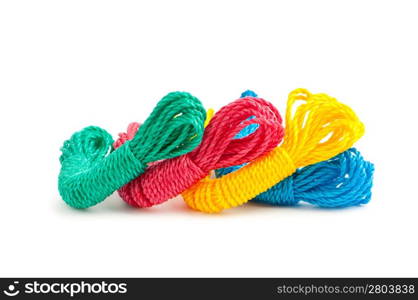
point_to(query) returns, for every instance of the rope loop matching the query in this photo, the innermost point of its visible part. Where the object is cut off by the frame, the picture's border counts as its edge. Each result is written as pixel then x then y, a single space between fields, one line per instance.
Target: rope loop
pixel 320 128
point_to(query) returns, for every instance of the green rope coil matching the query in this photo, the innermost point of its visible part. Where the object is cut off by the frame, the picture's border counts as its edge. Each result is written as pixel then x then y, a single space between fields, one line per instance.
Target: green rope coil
pixel 91 170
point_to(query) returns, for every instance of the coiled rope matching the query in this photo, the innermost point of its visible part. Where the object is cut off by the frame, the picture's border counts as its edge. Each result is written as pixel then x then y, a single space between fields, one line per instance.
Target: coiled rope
pixel 320 128
pixel 91 171
pixel 342 181
pixel 218 149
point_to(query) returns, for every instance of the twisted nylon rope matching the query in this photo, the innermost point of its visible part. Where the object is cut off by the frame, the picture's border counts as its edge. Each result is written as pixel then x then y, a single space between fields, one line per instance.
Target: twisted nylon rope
pixel 91 171
pixel 219 148
pixel 320 128
pixel 342 181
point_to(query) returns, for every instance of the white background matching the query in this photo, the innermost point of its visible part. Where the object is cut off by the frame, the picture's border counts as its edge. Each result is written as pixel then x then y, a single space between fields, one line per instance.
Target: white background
pixel 68 64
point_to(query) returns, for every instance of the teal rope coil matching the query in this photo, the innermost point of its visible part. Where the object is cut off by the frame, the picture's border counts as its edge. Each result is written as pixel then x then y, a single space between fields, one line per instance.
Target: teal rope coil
pixel 92 170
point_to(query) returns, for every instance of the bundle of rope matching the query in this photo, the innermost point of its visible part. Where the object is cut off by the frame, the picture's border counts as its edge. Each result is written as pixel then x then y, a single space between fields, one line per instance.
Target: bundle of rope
pixel 316 130
pixel 92 171
pixel 342 181
pixel 219 148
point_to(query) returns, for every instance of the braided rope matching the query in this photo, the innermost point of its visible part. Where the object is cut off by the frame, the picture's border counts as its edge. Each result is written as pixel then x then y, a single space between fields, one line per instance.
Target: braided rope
pixel 219 148
pixel 320 128
pixel 91 171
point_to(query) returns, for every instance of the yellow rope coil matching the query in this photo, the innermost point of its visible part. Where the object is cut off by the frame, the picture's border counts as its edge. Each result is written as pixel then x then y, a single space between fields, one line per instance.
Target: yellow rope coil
pixel 316 130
